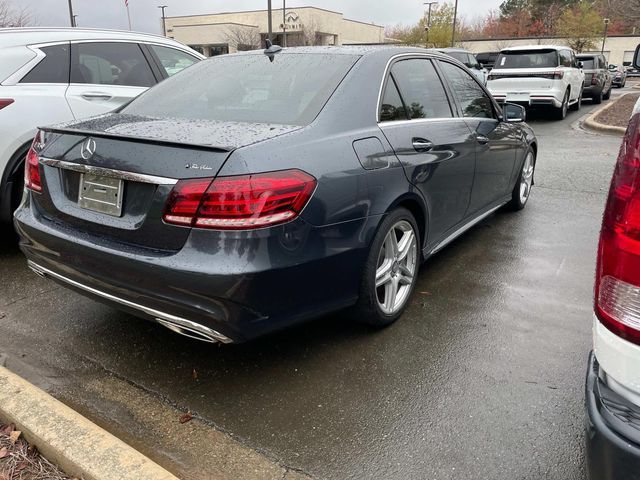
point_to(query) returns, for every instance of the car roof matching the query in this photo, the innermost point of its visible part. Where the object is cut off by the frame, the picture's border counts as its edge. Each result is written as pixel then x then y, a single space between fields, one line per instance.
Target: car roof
pixel 361 50
pixel 585 55
pixel 451 49
pixel 536 47
pixel 10 37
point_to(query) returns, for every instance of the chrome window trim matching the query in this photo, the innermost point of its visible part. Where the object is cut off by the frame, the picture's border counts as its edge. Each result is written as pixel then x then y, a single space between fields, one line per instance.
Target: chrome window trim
pixel 108 172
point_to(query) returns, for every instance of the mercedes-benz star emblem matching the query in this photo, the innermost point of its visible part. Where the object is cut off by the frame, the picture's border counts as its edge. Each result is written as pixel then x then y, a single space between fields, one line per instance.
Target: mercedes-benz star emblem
pixel 88 148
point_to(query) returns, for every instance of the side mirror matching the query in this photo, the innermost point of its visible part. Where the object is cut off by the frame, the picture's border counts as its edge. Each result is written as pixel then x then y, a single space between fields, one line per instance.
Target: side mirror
pixel 636 58
pixel 513 113
pixel 580 64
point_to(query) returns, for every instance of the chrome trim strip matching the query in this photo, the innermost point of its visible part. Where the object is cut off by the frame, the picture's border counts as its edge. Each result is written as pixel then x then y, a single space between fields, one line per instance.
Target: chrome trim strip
pixel 176 322
pixel 108 172
pixel 463 229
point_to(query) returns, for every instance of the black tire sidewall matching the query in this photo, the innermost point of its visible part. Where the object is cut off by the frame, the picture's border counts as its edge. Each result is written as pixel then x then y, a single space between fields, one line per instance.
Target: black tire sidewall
pixel 515 203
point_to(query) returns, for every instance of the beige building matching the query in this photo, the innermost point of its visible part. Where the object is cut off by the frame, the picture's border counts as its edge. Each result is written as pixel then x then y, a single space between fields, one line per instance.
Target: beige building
pixel 618 49
pixel 219 33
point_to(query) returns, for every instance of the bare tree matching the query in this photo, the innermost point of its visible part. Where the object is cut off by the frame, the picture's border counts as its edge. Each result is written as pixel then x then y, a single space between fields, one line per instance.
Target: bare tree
pixel 243 38
pixel 11 16
pixel 310 33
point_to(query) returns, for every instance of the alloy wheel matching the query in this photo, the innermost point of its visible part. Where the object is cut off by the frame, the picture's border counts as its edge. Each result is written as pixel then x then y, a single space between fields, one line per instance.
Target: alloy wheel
pixel 396 267
pixel 526 179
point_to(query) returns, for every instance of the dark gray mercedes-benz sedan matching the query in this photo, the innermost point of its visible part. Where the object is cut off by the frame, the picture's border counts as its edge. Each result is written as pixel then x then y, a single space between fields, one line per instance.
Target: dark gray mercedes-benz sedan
pixel 255 191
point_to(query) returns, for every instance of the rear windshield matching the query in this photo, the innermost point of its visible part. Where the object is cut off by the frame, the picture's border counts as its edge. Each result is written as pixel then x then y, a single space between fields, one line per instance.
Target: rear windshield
pixel 460 56
pixel 291 90
pixel 588 63
pixel 527 59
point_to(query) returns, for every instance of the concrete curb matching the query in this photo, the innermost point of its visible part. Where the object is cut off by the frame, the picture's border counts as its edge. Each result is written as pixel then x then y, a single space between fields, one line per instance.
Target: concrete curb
pixel 65 437
pixel 591 123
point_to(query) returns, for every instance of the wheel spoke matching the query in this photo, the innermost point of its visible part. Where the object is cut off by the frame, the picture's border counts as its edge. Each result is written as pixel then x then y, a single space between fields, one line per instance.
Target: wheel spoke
pixel 405 245
pixel 390 294
pixel 392 245
pixel 383 274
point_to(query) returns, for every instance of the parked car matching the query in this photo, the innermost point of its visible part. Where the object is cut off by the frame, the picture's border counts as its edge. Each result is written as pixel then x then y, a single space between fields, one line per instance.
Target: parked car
pixel 244 195
pixel 597 79
pixel 487 59
pixel 50 75
pixel 619 75
pixel 538 76
pixel 468 59
pixel 613 377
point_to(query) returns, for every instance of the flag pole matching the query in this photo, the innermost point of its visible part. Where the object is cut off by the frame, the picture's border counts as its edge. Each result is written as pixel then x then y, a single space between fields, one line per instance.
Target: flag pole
pixel 128 14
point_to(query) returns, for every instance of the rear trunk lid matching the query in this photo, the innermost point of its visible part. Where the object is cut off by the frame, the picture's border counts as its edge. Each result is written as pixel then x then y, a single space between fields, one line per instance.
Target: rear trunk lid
pixel 110 177
pixel 520 80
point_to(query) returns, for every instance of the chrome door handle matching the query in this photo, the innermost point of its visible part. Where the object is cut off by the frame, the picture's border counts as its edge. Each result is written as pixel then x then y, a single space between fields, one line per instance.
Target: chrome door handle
pixel 482 140
pixel 422 145
pixel 96 96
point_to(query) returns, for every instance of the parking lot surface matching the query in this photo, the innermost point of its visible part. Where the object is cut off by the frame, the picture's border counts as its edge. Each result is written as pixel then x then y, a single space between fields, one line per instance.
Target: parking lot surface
pixel 482 378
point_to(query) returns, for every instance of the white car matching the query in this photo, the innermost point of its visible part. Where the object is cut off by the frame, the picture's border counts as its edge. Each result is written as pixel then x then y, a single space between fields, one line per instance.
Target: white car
pixel 612 393
pixel 53 75
pixel 538 75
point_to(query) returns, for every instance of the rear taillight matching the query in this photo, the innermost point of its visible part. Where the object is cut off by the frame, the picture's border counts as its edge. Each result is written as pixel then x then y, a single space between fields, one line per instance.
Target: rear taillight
pixel 5 102
pixel 617 289
pixel 240 202
pixel 32 178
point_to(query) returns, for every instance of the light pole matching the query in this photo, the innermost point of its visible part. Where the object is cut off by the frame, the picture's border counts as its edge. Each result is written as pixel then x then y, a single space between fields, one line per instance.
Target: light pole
pixel 71 15
pixel 284 23
pixel 270 21
pixel 606 27
pixel 455 17
pixel 164 25
pixel 428 26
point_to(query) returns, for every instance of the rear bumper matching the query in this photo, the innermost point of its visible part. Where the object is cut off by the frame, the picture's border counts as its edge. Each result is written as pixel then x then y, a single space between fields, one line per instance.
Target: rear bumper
pixel 592 91
pixel 535 100
pixel 237 285
pixel 612 430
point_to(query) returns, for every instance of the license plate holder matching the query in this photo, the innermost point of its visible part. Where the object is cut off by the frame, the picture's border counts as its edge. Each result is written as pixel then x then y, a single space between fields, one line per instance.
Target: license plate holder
pixel 101 194
pixel 518 97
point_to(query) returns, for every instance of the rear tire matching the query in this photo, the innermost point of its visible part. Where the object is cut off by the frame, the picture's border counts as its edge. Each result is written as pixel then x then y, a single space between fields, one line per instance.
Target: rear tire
pixel 598 98
pixel 561 113
pixel 578 105
pixel 522 190
pixel 391 270
pixel 607 95
pixel 15 176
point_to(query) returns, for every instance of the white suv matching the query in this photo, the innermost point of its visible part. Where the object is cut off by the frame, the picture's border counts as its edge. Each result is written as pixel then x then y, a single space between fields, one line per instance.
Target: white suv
pixel 53 75
pixel 538 75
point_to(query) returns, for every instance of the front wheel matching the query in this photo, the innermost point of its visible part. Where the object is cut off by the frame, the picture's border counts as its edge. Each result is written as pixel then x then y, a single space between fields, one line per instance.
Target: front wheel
pixel 390 272
pixel 522 189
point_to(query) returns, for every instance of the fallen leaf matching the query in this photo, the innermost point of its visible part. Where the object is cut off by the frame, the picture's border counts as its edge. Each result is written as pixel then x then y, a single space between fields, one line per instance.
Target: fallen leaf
pixel 4 452
pixel 7 429
pixel 13 436
pixel 195 374
pixel 186 417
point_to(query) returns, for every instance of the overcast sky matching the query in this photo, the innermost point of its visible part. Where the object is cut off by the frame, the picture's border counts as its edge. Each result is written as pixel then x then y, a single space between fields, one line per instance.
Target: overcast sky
pixel 145 16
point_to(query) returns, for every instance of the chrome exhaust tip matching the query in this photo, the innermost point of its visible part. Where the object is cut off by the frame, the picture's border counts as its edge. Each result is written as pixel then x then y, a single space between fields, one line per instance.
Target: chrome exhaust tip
pixel 195 331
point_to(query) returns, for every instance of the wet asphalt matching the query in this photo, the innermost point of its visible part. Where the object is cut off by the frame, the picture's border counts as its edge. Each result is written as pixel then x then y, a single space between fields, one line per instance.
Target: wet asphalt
pixel 482 378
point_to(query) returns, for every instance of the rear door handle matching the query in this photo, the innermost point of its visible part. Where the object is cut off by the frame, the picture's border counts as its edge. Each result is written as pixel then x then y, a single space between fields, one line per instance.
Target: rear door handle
pixel 96 96
pixel 482 140
pixel 422 145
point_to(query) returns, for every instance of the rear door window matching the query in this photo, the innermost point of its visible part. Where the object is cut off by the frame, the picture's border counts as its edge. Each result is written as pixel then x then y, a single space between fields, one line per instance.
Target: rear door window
pixel 172 59
pixel 110 63
pixel 472 98
pixel 53 68
pixel 392 108
pixel 421 89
